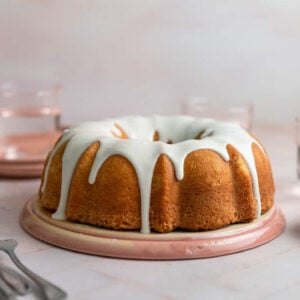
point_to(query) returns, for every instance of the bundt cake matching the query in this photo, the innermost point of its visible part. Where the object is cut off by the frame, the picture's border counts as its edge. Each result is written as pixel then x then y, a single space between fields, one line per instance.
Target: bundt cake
pixel 157 173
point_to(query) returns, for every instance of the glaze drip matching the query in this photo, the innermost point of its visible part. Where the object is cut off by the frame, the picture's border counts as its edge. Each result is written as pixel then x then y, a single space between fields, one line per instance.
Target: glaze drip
pixel 143 152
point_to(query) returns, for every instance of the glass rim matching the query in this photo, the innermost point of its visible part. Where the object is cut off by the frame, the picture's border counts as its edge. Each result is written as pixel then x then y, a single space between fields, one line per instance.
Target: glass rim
pixel 11 89
pixel 194 100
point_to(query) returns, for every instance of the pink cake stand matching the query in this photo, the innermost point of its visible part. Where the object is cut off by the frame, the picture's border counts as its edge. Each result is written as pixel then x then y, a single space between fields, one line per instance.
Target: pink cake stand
pixel 154 246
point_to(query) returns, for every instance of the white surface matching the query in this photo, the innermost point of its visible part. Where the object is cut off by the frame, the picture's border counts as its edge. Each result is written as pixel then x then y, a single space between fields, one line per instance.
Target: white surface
pixel 120 57
pixel 269 272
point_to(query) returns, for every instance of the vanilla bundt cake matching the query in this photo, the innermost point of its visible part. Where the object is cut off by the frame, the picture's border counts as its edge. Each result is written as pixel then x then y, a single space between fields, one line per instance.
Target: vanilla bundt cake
pixel 157 173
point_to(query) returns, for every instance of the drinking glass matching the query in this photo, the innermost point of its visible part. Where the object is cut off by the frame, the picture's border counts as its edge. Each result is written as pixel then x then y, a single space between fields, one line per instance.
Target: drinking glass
pixel 241 113
pixel 29 120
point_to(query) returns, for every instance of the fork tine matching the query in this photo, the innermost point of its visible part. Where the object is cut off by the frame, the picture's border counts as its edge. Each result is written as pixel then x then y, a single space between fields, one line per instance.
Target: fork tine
pixel 15 280
pixel 6 293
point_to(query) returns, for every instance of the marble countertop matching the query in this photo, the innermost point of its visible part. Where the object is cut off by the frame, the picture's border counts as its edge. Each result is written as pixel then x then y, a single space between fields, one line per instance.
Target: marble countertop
pixel 271 271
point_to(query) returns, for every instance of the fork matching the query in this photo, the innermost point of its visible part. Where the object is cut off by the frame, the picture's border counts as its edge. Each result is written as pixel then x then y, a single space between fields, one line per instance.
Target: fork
pixel 48 290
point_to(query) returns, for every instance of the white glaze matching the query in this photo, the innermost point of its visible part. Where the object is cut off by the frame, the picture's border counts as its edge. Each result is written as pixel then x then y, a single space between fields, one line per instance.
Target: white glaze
pixel 143 152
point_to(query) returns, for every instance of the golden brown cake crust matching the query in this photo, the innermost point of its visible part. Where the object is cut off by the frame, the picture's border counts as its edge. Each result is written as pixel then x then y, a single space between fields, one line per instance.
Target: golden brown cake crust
pixel 212 194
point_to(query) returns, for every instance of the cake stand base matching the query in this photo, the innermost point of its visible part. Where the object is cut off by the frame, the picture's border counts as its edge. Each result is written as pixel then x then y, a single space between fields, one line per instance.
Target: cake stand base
pixel 154 246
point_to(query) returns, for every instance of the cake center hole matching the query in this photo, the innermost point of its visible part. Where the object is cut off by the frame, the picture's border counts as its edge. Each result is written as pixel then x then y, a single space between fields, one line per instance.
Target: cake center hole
pixel 119 132
pixel 169 141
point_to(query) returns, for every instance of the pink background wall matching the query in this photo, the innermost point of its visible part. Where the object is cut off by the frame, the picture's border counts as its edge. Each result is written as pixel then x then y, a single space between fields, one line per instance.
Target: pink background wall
pixel 117 57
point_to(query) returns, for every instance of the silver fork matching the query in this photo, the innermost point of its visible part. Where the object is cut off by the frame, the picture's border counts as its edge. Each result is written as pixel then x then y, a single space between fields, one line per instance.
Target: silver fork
pixel 48 290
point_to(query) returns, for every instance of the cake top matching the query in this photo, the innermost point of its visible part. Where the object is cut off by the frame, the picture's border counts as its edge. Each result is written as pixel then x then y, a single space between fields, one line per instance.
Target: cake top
pixel 135 139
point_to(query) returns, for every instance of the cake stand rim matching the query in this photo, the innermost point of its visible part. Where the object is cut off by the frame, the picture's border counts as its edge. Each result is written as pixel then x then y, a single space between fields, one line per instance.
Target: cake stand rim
pixel 134 245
